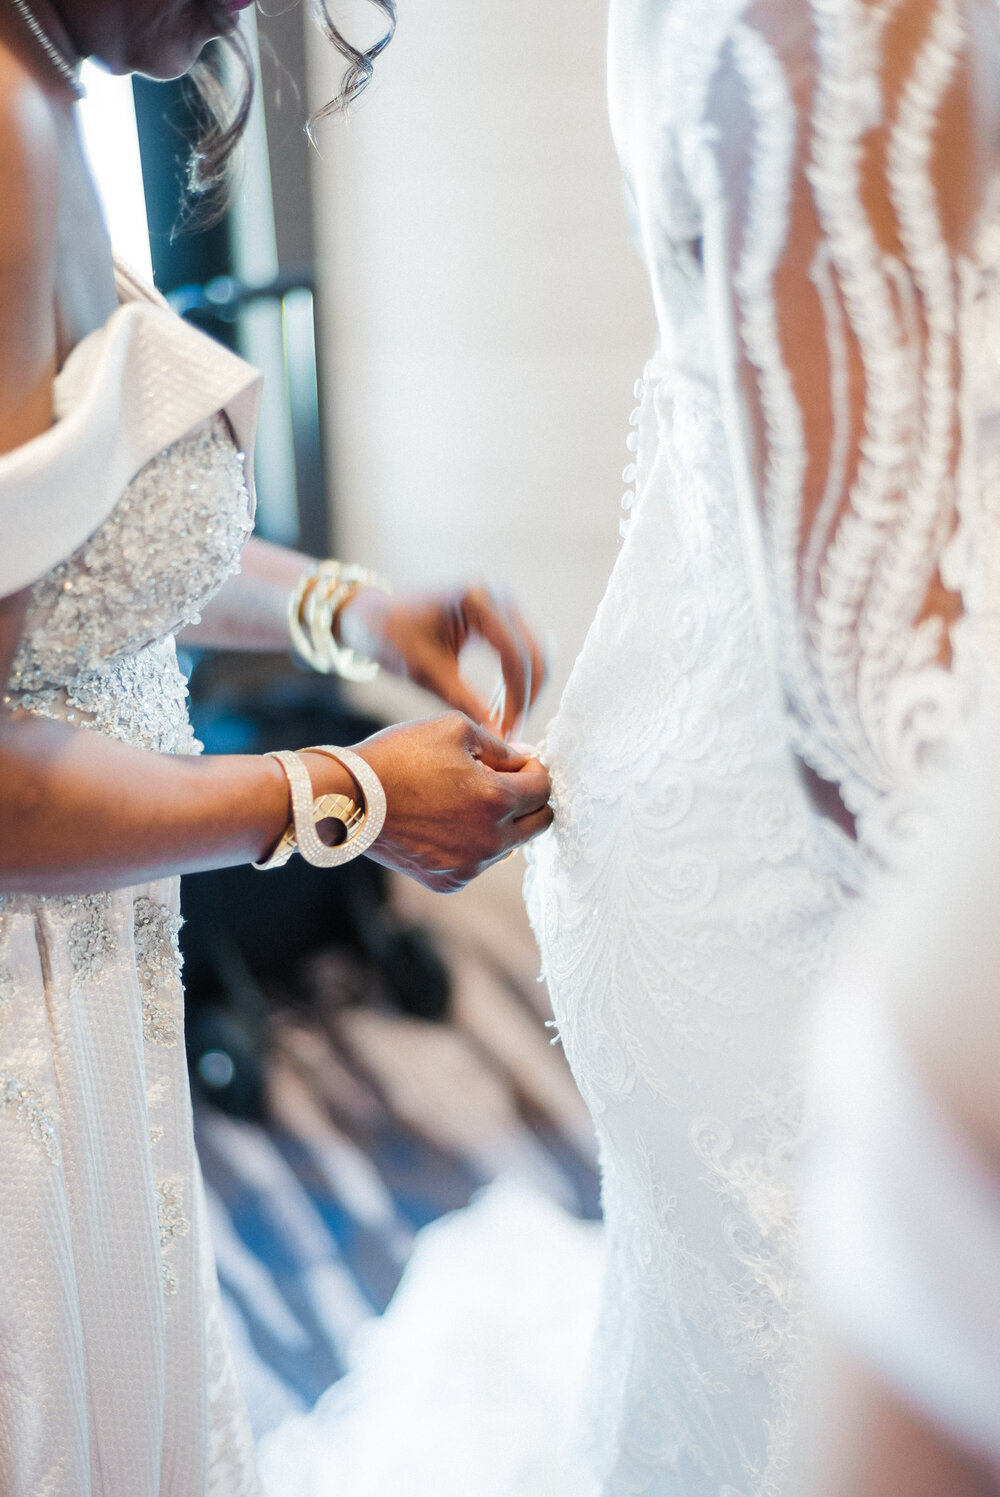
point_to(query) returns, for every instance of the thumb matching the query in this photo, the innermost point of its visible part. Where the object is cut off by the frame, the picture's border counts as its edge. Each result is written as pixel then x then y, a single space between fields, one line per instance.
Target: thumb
pixel 493 752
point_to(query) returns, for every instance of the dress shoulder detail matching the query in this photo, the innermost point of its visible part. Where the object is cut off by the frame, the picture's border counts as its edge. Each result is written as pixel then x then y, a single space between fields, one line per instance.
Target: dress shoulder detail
pixel 126 393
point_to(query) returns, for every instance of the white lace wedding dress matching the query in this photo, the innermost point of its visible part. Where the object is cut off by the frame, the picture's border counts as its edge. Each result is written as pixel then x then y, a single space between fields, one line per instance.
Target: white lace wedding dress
pixel 126 516
pixel 815 489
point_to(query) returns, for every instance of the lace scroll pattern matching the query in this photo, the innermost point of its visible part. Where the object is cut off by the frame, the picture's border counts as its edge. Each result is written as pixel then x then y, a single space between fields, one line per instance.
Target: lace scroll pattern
pixel 158 965
pixel 683 904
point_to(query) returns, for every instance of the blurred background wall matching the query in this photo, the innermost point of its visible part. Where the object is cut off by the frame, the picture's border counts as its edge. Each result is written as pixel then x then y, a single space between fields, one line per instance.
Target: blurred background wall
pixel 482 316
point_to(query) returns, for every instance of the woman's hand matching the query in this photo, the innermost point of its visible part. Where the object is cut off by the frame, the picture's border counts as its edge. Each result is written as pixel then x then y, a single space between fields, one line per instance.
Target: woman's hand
pixel 420 636
pixel 458 799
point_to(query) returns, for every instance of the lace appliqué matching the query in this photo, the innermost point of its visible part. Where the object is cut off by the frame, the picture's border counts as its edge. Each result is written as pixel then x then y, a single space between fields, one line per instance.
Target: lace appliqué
pixel 862 662
pixel 7 990
pixel 30 1109
pixel 172 1222
pixel 97 650
pixel 158 966
pixel 232 1466
pixel 7 984
pixel 686 895
pixel 759 1309
pixel 683 905
pixel 140 699
pixel 91 940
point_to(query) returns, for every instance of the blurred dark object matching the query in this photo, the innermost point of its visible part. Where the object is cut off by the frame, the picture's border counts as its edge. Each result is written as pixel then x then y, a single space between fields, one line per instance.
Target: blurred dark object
pixel 291 390
pixel 248 934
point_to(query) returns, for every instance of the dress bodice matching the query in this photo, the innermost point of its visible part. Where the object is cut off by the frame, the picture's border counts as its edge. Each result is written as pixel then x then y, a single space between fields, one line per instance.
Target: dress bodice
pixel 97 648
pixel 782 160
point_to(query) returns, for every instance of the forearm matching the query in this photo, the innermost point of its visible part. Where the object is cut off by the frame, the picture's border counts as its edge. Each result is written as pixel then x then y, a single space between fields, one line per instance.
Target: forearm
pixel 81 812
pixel 250 611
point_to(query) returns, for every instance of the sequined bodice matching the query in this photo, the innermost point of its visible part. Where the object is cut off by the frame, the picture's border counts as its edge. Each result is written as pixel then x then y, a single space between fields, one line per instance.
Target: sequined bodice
pixel 98 645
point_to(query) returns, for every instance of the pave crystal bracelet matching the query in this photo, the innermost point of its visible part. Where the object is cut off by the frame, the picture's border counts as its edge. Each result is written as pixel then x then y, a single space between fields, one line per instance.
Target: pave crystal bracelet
pixel 361 826
pixel 314 605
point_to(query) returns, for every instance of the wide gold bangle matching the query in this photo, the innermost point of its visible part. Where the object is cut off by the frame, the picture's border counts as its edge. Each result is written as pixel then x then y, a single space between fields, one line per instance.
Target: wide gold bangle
pixel 313 607
pixel 362 826
pixel 324 808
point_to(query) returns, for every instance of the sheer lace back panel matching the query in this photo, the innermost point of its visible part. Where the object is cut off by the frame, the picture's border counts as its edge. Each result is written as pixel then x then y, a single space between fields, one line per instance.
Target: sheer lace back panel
pixel 835 159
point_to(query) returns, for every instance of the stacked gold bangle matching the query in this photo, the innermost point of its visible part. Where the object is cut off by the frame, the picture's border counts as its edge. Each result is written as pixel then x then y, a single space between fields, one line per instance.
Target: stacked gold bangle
pixel 313 608
pixel 361 825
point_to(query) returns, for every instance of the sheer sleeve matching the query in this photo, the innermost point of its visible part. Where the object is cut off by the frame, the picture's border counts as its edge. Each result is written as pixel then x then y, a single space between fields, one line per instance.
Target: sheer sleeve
pixel 844 162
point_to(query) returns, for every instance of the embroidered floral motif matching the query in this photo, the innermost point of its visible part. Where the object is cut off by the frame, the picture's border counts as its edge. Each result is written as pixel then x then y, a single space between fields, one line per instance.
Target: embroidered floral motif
pixel 7 990
pixel 779 596
pixel 6 976
pixel 91 941
pixel 173 1224
pixel 97 649
pixel 30 1109
pixel 683 905
pixel 158 964
pixel 232 1467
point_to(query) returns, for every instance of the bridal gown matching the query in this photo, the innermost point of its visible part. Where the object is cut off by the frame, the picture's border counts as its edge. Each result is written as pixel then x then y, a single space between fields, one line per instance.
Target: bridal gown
pixel 814 485
pixel 125 517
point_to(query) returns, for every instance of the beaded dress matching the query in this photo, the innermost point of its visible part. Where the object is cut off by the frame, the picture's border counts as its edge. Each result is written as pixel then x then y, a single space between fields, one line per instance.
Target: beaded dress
pixel 126 516
pixel 815 463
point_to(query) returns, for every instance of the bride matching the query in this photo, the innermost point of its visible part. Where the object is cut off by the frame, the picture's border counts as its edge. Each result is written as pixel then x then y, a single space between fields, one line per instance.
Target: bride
pixel 125 503
pixel 800 616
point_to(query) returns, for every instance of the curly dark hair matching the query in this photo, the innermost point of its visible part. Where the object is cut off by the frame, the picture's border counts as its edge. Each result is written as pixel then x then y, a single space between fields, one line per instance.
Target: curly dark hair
pixel 223 114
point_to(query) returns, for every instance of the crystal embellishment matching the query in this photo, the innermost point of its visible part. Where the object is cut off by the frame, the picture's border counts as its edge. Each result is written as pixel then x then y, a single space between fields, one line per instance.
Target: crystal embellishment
pixel 173 1224
pixel 98 645
pixel 28 1105
pixel 91 942
pixel 158 967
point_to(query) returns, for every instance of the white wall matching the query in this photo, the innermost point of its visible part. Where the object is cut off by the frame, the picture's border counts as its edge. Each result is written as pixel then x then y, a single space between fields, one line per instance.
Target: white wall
pixel 484 318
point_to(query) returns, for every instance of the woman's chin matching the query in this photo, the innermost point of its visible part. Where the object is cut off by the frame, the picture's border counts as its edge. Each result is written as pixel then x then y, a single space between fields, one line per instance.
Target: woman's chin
pixel 164 54
pixel 161 69
pixel 161 63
